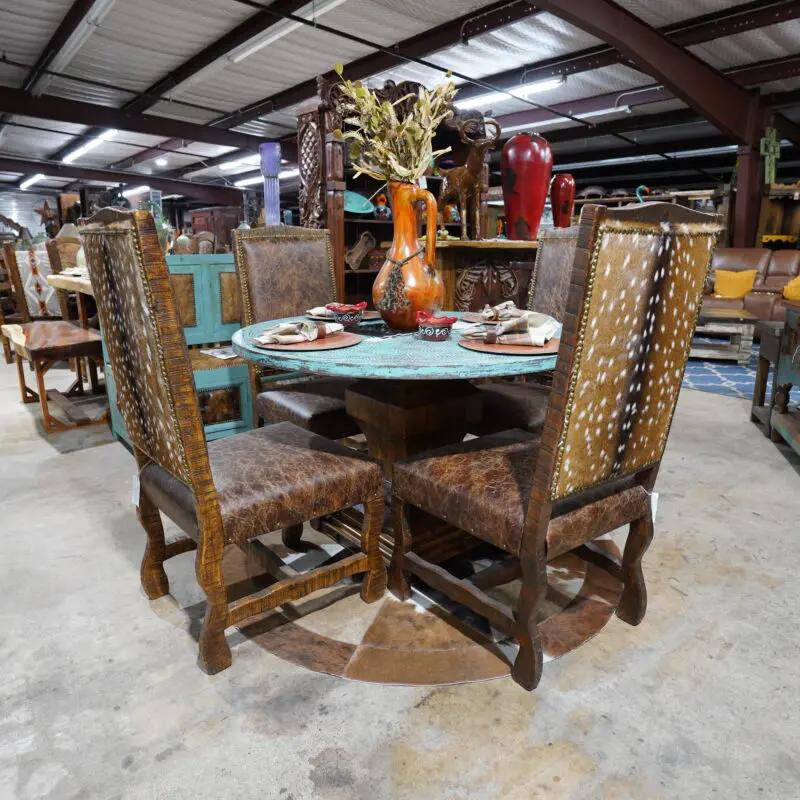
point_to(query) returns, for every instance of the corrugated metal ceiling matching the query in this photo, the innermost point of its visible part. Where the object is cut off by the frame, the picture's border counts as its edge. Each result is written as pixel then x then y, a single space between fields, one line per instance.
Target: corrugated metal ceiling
pixel 136 43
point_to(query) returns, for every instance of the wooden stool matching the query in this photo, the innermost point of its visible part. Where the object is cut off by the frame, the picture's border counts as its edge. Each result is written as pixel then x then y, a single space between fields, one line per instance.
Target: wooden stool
pixel 769 351
pixel 43 344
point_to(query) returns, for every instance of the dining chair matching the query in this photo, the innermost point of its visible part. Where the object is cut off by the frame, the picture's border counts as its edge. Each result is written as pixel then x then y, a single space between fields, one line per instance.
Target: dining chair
pixel 223 492
pixel 43 343
pixel 284 270
pixel 62 253
pixel 13 308
pixel 513 404
pixel 635 291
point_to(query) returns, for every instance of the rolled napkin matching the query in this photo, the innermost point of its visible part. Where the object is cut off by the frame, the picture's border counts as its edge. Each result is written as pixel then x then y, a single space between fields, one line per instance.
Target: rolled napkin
pixel 320 311
pixel 296 332
pixel 507 310
pixel 531 329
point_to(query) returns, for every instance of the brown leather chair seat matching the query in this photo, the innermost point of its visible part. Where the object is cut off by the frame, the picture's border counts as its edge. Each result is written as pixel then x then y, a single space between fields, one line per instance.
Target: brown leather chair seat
pixel 484 485
pixel 514 405
pixel 478 485
pixel 316 405
pixel 267 479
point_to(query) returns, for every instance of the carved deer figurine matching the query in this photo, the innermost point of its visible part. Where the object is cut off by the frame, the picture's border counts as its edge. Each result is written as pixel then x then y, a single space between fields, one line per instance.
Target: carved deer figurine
pixel 463 184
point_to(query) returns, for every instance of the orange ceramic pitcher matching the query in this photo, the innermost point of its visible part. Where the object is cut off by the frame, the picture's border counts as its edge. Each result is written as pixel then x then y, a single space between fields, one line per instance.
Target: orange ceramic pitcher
pixel 408 281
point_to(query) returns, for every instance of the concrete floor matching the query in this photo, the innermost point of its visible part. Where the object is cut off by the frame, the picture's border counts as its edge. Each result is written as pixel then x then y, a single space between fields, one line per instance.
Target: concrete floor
pixel 101 696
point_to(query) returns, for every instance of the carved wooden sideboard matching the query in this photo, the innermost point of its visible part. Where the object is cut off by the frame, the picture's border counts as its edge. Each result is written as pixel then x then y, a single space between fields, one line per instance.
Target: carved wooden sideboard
pixel 324 175
pixel 786 421
pixel 488 271
pixel 207 298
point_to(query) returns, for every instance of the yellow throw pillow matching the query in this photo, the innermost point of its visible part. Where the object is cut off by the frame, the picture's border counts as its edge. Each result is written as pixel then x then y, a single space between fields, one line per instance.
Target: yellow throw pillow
pixel 792 289
pixel 734 285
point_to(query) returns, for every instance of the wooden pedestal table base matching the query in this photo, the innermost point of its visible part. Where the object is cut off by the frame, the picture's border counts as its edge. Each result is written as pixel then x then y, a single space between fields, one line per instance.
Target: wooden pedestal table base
pixel 418 642
pixel 404 418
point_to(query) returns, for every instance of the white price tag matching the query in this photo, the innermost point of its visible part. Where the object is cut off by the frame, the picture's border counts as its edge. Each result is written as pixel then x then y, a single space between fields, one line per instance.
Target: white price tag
pixel 135 491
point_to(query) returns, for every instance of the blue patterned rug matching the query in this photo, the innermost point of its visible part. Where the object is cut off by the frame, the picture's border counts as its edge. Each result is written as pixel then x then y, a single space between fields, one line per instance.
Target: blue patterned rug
pixel 727 377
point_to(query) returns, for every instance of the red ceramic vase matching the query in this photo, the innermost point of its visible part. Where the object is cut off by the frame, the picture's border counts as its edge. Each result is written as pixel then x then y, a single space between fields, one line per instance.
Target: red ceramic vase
pixel 562 200
pixel 526 164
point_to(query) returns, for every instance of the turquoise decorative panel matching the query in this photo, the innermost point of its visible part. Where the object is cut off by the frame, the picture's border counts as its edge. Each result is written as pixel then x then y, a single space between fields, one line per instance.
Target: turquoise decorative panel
pixel 205 271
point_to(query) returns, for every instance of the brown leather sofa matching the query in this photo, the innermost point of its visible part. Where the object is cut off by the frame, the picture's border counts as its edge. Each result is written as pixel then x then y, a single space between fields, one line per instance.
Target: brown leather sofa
pixel 775 270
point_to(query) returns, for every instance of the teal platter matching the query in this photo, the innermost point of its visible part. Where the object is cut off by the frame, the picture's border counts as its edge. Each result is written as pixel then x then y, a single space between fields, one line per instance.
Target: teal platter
pixel 356 203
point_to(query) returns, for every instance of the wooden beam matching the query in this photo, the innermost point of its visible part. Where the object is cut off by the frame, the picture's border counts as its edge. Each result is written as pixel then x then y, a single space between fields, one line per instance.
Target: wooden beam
pixel 15 101
pixel 200 191
pixel 461 29
pixel 748 74
pixel 75 15
pixel 243 32
pixel 721 100
pixel 697 30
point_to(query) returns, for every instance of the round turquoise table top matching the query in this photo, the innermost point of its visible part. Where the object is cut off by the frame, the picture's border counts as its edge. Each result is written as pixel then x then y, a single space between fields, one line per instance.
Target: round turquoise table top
pixel 402 357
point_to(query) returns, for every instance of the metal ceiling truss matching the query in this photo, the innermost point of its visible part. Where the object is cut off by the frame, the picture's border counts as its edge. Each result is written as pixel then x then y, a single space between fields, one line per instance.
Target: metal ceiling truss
pixel 200 191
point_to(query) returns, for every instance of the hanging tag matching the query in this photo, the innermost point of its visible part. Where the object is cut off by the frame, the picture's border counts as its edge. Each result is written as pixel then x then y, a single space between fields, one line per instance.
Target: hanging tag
pixel 423 182
pixel 135 491
pixel 654 505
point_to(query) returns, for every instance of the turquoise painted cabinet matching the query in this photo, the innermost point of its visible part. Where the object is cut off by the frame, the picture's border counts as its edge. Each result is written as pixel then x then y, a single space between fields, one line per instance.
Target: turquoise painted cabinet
pixel 208 303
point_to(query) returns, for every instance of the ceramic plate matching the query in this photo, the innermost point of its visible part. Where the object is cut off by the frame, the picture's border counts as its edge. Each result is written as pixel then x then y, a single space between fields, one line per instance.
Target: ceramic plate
pixel 551 348
pixel 328 343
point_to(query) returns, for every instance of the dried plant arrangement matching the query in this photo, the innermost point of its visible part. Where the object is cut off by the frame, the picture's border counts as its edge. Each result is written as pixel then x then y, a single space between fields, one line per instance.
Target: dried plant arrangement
pixel 384 146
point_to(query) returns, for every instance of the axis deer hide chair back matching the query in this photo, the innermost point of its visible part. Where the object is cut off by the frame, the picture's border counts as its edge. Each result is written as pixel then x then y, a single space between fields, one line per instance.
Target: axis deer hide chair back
pixel 510 404
pixel 634 296
pixel 284 270
pixel 232 489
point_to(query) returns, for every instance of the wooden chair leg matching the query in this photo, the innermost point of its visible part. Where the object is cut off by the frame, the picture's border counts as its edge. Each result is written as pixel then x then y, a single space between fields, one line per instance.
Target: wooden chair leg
pixel 154 580
pixel 292 536
pixel 374 585
pixel 46 419
pixel 398 577
pixel 633 603
pixel 527 669
pixel 215 653
pixel 6 350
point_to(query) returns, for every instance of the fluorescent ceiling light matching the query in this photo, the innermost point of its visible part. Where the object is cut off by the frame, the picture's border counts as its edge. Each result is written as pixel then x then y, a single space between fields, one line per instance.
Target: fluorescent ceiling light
pixel 137 190
pixel 520 92
pixel 535 126
pixel 161 161
pixel 283 175
pixel 90 145
pixel 171 196
pixel 247 161
pixel 273 35
pixel 28 183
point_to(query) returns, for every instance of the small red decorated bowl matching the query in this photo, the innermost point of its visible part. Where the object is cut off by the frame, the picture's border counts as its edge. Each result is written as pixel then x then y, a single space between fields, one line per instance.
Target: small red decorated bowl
pixel 347 314
pixel 434 329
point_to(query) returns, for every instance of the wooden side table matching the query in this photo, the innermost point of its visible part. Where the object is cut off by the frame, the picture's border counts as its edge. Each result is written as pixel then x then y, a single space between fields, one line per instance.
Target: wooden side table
pixel 769 352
